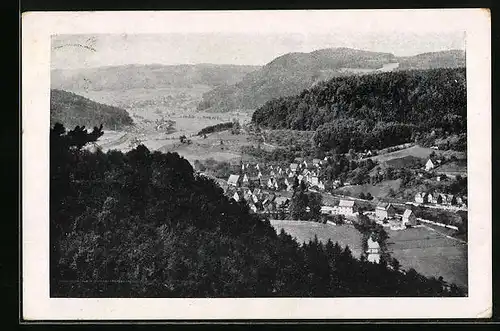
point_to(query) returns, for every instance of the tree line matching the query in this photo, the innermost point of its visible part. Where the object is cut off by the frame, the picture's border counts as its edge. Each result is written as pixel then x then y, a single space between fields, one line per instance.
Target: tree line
pixel 143 224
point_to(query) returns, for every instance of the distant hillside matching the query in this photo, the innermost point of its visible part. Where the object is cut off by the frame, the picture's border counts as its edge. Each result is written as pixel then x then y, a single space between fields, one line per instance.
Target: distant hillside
pixel 444 59
pixel 72 109
pixel 290 74
pixel 147 76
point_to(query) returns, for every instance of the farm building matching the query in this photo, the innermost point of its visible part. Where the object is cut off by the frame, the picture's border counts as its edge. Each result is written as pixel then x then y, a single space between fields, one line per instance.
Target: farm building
pixel 420 197
pixel 429 165
pixel 409 218
pixel 373 251
pixel 432 198
pixel 314 180
pixel 347 207
pixel 385 211
pixel 234 180
pixel 236 197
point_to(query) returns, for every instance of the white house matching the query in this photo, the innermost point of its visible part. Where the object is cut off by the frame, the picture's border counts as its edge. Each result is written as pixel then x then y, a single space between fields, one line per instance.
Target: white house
pixel 236 196
pixel 347 207
pixel 234 180
pixel 373 251
pixel 314 180
pixel 321 185
pixel 294 167
pixel 429 165
pixel 245 179
pixel 257 167
pixel 409 218
pixel 420 197
pixel 385 211
pixel 259 175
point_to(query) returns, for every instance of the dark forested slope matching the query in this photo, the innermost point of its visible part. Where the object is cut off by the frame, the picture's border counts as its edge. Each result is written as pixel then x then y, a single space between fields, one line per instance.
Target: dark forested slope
pixel 143 224
pixel 373 111
pixel 72 109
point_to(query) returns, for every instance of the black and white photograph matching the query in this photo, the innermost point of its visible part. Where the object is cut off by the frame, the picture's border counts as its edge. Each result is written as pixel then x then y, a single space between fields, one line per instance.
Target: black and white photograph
pixel 327 157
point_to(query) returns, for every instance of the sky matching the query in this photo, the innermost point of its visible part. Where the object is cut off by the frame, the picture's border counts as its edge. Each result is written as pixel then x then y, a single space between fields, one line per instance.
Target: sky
pixel 253 38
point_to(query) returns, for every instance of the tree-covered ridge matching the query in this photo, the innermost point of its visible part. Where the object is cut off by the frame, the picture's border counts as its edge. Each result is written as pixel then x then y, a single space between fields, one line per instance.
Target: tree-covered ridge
pixel 376 110
pixel 72 109
pixel 143 224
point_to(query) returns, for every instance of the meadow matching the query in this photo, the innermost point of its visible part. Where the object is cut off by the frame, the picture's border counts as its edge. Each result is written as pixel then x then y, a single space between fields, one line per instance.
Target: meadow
pixel 416 151
pixel 303 231
pixel 430 253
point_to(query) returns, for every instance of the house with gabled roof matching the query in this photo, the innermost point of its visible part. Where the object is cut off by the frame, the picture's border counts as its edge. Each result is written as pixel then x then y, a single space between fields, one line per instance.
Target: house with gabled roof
pixel 429 165
pixel 409 218
pixel 236 196
pixel 373 250
pixel 348 207
pixel 245 179
pixel 385 211
pixel 420 197
pixel 234 180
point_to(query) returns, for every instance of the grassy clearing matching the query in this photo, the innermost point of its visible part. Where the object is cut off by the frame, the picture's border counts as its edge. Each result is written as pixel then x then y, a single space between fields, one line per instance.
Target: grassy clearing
pixel 430 254
pixel 381 190
pixel 302 231
pixel 416 151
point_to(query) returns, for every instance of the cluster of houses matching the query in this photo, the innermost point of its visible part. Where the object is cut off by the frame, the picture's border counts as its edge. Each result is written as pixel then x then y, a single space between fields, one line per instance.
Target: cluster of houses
pixel 385 214
pixel 280 178
pixel 440 199
pixel 258 200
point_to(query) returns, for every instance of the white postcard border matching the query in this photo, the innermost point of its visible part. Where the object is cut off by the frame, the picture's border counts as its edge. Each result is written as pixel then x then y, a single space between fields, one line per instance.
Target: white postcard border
pixel 37 28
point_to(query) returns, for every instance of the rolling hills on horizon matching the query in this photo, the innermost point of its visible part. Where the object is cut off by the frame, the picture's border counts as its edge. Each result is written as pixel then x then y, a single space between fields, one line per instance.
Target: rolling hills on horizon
pixel 132 76
pixel 292 73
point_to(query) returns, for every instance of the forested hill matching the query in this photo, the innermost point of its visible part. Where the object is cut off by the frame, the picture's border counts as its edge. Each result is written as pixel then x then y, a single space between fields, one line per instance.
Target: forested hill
pixel 127 77
pixel 376 110
pixel 143 224
pixel 433 60
pixel 291 73
pixel 72 109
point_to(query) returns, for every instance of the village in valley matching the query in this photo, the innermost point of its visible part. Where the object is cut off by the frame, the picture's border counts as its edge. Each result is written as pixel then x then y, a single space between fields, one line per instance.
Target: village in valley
pixel 268 188
pixel 354 153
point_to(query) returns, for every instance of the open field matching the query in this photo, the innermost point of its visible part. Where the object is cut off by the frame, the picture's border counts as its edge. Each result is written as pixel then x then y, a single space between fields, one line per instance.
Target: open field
pixel 381 190
pixel 303 231
pixel 430 253
pixel 150 108
pixel 416 151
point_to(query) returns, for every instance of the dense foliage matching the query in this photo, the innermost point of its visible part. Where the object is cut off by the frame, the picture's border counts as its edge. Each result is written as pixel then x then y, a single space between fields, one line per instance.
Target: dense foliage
pixel 377 110
pixel 217 128
pixel 142 224
pixel 72 109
